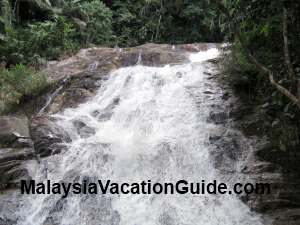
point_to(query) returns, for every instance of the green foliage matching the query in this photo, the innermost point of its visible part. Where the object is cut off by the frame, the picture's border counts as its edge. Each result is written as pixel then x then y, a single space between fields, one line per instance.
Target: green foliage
pixel 73 24
pixel 5 15
pixel 161 21
pixel 51 29
pixel 48 39
pixel 99 24
pixel 95 19
pixel 52 39
pixel 260 24
pixel 17 83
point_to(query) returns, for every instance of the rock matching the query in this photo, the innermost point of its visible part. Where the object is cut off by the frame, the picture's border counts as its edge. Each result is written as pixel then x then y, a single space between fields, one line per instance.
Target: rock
pixel 89 68
pixel 261 167
pixel 56 105
pixel 12 129
pixel 48 137
pixel 268 163
pixel 83 130
pixel 4 221
pixel 208 92
pixel 12 167
pixel 129 58
pixel 16 147
pixel 218 117
pixel 70 98
pixel 226 96
pixel 285 216
pixel 106 114
pixel 102 115
pixel 74 97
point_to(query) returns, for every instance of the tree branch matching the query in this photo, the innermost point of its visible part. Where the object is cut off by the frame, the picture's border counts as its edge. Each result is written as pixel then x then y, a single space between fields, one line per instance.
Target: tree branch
pixel 263 69
pixel 287 57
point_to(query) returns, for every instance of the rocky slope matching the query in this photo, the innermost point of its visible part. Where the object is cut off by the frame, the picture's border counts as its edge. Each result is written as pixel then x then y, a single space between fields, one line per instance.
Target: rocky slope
pixel 30 133
pixel 267 162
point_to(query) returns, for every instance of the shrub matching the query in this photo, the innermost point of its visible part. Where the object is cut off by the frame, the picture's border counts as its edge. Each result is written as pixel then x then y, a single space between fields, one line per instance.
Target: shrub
pixel 49 39
pixel 97 19
pixel 17 83
pixel 52 39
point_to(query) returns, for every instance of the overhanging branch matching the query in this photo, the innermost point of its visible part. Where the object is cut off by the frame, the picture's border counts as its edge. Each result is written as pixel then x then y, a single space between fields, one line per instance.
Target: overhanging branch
pixel 287 57
pixel 263 69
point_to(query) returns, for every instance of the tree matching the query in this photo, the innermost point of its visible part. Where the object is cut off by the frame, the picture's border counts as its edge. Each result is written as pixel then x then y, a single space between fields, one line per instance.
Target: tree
pixel 235 23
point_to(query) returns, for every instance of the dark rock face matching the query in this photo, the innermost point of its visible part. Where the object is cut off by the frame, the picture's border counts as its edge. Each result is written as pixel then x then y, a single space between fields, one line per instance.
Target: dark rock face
pixel 265 162
pixel 48 137
pixel 75 96
pixel 227 150
pixel 83 130
pixel 218 117
pixel 269 164
pixel 12 168
pixel 15 148
pixel 20 144
pixel 280 169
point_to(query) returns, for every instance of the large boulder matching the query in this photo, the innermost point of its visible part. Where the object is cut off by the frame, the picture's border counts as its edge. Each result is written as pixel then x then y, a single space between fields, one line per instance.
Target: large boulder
pixel 48 137
pixel 15 148
pixel 12 167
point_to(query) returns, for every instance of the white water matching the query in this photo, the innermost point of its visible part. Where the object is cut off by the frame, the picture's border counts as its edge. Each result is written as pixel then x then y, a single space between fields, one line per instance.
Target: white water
pixel 150 123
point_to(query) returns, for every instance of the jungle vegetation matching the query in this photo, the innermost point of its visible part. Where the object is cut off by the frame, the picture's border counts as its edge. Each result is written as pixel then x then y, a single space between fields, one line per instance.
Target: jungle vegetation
pixel 264 35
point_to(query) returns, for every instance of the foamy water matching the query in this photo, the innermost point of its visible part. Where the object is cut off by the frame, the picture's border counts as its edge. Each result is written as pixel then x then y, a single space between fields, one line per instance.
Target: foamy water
pixel 149 124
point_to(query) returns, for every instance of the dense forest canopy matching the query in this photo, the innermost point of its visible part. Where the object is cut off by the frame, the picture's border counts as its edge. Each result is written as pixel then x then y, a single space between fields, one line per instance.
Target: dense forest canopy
pixel 33 31
pixel 109 23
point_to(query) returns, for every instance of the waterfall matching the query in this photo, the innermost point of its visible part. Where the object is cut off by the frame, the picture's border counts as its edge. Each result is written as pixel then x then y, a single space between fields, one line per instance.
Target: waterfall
pixel 145 123
pixel 53 95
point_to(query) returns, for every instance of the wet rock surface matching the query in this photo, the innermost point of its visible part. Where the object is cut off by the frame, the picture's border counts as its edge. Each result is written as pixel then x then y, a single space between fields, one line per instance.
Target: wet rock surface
pixel 265 162
pixel 82 129
pixel 12 168
pixel 48 137
pixel 16 147
pixel 89 68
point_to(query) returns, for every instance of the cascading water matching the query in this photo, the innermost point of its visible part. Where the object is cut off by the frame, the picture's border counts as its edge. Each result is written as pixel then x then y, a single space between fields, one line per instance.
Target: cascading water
pixel 145 123
pixel 54 94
